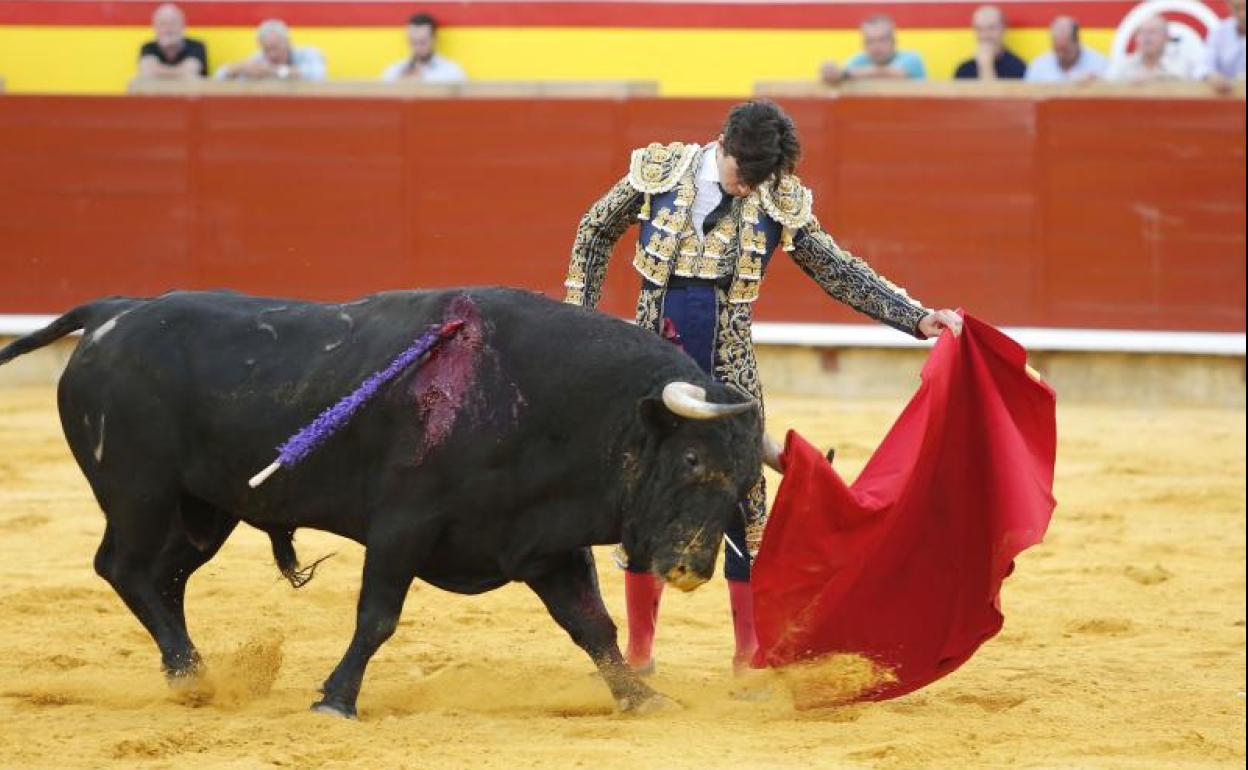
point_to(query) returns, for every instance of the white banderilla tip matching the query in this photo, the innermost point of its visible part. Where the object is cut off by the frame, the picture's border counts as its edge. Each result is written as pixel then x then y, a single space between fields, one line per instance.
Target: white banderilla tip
pixel 259 478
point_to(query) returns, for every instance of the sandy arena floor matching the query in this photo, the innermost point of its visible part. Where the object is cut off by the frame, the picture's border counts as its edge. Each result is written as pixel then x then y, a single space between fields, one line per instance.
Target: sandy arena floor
pixel 1123 644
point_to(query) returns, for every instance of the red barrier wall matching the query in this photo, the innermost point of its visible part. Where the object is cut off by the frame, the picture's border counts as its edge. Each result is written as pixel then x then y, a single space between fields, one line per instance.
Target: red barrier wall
pixel 1102 213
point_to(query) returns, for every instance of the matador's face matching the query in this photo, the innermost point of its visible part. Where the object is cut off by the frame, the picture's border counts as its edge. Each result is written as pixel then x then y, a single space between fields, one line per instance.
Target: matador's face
pixel 728 177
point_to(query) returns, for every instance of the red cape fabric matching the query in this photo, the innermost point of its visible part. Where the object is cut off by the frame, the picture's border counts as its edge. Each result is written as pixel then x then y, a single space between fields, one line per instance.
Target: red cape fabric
pixel 904 566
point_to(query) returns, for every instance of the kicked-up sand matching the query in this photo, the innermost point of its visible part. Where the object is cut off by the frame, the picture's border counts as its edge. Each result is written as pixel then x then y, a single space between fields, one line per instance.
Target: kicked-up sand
pixel 1123 644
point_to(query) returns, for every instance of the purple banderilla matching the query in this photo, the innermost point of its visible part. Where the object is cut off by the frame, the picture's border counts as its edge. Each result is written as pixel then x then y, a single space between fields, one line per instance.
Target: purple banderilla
pixel 329 421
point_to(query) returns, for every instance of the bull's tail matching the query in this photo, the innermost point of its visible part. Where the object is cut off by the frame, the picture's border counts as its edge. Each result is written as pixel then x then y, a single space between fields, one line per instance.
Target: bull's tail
pixel 81 317
pixel 283 542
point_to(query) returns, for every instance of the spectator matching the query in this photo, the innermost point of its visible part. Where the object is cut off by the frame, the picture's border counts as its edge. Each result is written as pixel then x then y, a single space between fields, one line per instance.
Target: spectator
pixel 1224 50
pixel 425 64
pixel 992 60
pixel 879 57
pixel 1154 60
pixel 1069 61
pixel 277 58
pixel 172 55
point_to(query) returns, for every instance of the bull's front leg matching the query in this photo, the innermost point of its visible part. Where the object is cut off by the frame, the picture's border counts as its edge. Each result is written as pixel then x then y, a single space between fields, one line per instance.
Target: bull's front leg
pixel 570 593
pixel 387 576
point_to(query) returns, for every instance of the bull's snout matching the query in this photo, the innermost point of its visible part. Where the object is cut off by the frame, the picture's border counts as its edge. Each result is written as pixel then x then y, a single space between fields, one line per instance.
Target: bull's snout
pixel 683 577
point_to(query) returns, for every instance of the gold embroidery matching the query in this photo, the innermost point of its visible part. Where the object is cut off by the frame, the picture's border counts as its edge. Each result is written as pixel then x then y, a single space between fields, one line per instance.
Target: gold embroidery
pixel 669 221
pixel 650 308
pixel 753 240
pixel 749 209
pixel 750 267
pixel 848 279
pixel 743 291
pixel 686 192
pixel 661 246
pixel 709 265
pixel 576 276
pixel 788 202
pixel 596 235
pixel 684 264
pixel 736 366
pixel 656 169
pixel 654 270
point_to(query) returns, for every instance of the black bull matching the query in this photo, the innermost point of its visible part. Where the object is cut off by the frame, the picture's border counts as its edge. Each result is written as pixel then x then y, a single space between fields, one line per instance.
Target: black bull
pixel 537 431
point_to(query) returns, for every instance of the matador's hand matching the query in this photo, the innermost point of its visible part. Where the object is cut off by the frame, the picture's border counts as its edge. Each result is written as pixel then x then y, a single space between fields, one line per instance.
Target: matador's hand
pixel 937 321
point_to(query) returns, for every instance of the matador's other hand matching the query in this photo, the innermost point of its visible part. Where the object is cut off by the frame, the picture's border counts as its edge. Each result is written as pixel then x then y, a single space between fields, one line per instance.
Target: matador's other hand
pixel 937 321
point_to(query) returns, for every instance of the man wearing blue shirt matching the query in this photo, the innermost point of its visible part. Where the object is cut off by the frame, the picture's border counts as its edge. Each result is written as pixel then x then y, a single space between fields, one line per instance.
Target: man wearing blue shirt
pixel 879 57
pixel 1069 61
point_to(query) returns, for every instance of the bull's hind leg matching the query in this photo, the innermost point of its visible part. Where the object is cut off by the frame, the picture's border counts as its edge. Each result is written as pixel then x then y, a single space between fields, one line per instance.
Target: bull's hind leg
pixel 388 573
pixel 148 557
pixel 571 595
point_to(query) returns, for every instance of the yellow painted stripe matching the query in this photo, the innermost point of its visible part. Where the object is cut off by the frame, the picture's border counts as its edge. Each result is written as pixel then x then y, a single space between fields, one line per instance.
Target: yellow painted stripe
pixel 685 62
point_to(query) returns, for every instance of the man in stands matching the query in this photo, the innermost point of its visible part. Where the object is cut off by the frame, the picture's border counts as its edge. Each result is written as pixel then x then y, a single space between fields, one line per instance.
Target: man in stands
pixel 879 58
pixel 992 60
pixel 1070 61
pixel 424 64
pixel 172 55
pixel 277 58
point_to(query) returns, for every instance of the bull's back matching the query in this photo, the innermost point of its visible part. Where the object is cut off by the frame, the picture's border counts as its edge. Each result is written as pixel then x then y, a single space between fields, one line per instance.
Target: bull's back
pixel 199 388
pixel 196 388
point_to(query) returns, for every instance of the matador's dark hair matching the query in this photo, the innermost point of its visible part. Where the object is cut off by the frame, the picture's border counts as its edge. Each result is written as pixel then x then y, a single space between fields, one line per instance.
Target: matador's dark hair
pixel 763 139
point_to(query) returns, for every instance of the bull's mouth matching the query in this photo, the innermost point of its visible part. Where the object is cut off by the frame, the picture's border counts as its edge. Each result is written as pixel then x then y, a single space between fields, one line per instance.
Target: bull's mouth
pixel 684 578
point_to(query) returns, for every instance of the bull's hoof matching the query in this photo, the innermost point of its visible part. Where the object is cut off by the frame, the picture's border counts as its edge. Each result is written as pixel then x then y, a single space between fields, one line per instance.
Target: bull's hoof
pixel 189 675
pixel 340 710
pixel 182 668
pixel 647 703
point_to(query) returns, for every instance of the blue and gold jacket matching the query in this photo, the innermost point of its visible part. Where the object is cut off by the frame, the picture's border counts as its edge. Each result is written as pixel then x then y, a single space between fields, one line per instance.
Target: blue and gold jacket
pixel 659 190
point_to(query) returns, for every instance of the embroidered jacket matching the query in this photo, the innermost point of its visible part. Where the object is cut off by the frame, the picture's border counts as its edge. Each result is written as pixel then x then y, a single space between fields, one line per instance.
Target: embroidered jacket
pixel 659 191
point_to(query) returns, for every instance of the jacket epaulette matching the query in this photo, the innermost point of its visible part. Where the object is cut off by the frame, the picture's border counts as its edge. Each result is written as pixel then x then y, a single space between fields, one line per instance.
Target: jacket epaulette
pixel 657 168
pixel 788 202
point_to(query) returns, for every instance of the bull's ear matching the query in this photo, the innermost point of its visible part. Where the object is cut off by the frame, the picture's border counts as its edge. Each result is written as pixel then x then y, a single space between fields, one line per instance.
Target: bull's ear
pixel 657 418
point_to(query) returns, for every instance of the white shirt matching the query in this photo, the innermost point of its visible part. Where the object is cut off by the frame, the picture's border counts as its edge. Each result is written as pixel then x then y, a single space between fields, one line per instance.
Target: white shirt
pixel 309 61
pixel 1045 68
pixel 438 69
pixel 1175 64
pixel 1224 51
pixel 706 185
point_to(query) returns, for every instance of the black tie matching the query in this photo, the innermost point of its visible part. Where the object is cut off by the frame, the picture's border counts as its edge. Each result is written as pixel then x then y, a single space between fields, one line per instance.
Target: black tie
pixel 718 212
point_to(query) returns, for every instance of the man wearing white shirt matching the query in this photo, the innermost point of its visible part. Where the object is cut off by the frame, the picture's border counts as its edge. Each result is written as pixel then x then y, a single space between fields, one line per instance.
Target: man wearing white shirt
pixel 277 58
pixel 425 64
pixel 1070 61
pixel 1224 50
pixel 1154 59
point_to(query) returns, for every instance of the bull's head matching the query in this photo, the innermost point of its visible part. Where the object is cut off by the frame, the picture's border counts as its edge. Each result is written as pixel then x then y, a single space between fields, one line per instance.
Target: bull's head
pixel 699 458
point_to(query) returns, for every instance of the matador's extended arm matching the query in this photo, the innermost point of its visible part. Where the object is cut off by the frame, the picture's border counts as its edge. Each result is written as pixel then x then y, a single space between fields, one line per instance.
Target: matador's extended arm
pixel 850 280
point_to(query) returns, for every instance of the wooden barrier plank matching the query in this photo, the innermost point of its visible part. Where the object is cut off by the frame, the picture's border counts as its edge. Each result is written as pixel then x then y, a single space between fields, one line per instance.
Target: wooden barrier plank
pixel 1082 213
pixel 299 197
pixel 88 193
pixel 939 194
pixel 1144 209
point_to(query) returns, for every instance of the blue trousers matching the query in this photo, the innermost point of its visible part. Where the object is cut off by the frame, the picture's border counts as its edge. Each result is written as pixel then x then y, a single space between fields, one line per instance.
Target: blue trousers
pixel 691 306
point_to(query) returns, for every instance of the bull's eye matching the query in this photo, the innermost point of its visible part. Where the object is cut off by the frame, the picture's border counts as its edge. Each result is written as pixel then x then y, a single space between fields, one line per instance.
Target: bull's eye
pixel 692 461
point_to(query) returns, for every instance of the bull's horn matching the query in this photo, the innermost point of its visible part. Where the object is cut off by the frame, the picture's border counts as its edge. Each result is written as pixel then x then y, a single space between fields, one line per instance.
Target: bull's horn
pixel 688 400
